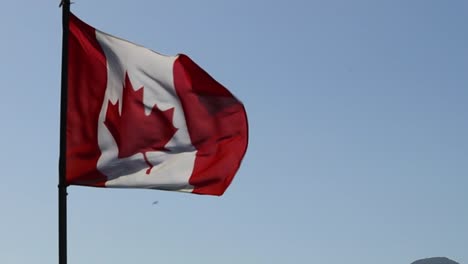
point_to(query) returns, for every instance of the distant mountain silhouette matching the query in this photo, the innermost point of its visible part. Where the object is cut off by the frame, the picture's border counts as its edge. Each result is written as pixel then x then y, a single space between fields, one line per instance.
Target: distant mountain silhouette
pixel 435 261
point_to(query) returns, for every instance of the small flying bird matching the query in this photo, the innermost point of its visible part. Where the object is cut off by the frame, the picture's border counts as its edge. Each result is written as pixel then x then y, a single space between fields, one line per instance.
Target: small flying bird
pixel 155 202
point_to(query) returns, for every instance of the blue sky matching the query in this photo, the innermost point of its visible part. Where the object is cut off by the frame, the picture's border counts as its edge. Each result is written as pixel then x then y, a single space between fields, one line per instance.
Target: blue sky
pixel 358 148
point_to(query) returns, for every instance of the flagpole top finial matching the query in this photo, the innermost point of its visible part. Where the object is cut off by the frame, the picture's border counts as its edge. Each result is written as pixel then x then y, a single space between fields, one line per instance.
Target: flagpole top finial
pixel 62 2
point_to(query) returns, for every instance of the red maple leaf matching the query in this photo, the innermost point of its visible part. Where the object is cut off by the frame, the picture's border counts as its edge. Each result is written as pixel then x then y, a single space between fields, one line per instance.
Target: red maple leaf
pixel 133 130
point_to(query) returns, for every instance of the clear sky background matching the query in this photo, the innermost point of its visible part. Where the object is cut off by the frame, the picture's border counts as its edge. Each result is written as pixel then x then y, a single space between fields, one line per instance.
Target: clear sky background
pixel 358 148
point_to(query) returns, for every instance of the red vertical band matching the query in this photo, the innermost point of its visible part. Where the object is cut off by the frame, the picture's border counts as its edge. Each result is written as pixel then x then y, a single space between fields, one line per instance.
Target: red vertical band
pixel 87 80
pixel 217 124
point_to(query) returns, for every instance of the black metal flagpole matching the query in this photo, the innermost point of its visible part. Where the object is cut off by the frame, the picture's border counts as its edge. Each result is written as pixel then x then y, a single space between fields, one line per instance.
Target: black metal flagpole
pixel 62 186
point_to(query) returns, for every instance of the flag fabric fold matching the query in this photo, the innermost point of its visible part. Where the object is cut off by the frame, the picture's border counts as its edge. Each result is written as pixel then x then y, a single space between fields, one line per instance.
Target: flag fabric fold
pixel 139 119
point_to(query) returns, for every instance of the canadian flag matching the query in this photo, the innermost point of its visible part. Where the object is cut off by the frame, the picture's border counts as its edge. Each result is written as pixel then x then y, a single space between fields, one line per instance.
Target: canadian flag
pixel 139 119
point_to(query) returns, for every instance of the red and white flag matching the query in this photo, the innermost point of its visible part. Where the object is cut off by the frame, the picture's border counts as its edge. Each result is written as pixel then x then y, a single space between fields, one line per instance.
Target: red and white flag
pixel 139 119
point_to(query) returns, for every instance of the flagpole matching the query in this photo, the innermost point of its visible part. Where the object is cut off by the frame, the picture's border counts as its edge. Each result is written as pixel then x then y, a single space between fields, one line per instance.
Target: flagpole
pixel 62 186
